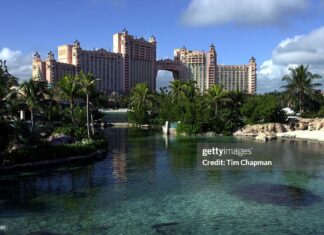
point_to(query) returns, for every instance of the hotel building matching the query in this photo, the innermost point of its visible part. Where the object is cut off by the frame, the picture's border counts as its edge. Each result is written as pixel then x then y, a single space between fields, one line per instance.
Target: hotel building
pixel 198 65
pixel 133 61
pixel 239 77
pixel 202 67
pixel 139 59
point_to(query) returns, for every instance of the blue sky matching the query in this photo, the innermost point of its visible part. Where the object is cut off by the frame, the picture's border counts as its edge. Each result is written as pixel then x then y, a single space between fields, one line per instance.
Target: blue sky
pixel 279 33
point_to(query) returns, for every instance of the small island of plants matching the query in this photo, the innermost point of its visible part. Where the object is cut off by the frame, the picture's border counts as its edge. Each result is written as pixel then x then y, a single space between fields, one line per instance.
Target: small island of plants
pixel 39 122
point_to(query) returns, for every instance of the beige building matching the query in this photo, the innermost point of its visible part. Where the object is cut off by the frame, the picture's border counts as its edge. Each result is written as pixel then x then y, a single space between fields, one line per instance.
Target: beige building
pixel 199 66
pixel 133 61
pixel 139 59
pixel 50 70
pixel 102 64
pixel 202 67
pixel 238 77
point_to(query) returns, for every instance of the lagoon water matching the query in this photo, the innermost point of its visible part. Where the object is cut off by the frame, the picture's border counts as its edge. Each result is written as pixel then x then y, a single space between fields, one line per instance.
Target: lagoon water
pixel 149 184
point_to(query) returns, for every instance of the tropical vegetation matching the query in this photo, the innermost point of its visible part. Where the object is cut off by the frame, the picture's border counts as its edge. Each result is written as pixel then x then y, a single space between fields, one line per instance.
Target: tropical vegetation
pixel 300 87
pixel 224 111
pixel 69 107
pixel 32 111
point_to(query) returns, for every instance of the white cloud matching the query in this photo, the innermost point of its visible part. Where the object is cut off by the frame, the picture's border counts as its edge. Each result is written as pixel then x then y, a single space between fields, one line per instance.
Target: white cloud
pixel 303 49
pixel 19 64
pixel 242 12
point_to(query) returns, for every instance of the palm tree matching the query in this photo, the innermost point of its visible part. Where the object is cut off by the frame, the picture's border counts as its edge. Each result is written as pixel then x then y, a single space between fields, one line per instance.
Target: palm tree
pixel 217 95
pixel 190 89
pixel 69 88
pixel 141 96
pixel 32 93
pixel 176 90
pixel 87 84
pixel 300 84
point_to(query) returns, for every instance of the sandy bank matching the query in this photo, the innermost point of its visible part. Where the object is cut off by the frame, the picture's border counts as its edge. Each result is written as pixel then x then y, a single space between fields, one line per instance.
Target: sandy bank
pixel 311 135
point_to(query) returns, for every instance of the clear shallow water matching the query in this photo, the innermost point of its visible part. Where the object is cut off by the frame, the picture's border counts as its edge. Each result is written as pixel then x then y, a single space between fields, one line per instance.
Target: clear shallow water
pixel 150 185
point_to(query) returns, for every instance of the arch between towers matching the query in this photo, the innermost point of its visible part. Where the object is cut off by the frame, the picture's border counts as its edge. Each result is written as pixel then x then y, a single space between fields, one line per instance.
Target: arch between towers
pixel 169 65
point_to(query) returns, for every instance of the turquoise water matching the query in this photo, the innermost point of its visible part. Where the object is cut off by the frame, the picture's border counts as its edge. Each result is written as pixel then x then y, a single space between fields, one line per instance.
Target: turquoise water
pixel 116 117
pixel 149 184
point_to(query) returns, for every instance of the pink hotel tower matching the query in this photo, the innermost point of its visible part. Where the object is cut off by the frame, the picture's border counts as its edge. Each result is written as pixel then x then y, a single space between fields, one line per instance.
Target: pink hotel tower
pixel 133 61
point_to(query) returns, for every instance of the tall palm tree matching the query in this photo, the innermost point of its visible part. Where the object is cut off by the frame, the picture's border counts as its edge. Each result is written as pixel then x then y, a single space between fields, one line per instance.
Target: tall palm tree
pixel 141 96
pixel 300 84
pixel 176 90
pixel 217 95
pixel 190 90
pixel 87 84
pixel 69 88
pixel 32 93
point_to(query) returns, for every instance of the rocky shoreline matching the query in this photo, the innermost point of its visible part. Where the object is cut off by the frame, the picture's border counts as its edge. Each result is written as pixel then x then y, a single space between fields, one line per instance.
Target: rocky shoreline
pixel 304 128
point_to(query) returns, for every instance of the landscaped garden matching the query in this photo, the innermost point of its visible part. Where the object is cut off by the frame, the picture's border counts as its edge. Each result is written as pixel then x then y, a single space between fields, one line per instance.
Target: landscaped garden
pixel 40 122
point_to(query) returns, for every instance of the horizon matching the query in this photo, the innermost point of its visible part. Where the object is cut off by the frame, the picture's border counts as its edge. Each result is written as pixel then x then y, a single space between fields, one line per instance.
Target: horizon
pixel 279 34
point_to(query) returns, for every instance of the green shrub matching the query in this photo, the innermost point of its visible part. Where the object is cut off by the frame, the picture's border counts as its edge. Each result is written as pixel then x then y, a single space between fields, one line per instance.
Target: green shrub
pixel 46 151
pixel 80 115
pixel 229 120
pixel 321 112
pixel 188 129
pixel 71 130
pixel 6 134
pixel 263 109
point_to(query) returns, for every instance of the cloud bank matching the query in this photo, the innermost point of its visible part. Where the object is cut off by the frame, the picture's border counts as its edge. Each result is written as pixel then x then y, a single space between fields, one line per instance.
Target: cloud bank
pixel 19 64
pixel 305 49
pixel 243 12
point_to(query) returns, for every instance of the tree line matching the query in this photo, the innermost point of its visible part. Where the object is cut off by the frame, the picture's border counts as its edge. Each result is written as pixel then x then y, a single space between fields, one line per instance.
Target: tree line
pixel 224 111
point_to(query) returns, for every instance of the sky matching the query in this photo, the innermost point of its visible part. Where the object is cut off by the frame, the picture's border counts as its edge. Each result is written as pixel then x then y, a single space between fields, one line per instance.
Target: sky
pixel 280 34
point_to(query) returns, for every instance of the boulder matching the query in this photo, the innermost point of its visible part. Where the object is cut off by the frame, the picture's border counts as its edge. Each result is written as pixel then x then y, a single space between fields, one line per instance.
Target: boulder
pixel 311 126
pixel 318 125
pixel 266 136
pixel 261 137
pixel 302 126
pixel 279 128
pixel 271 127
pixel 210 133
pixel 59 139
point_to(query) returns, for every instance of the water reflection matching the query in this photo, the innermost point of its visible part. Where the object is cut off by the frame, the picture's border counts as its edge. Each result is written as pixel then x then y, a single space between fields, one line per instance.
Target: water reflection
pixel 149 183
pixel 22 193
pixel 119 166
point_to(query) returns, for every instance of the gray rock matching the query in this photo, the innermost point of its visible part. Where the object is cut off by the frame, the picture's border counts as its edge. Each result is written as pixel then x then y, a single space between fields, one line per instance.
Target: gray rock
pixel 59 139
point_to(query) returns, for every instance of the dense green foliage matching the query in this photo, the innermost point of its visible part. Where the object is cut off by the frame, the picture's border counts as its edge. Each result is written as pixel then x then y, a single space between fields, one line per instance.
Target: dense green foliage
pixel 222 111
pixel 300 88
pixel 142 103
pixel 196 113
pixel 46 151
pixel 46 114
pixel 71 130
pixel 263 109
